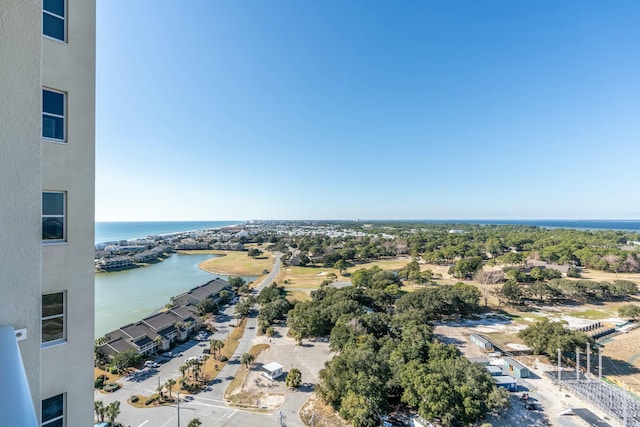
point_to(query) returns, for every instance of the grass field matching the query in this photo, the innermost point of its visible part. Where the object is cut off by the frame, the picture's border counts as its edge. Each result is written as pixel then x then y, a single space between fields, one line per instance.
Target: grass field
pixel 236 263
pixel 609 277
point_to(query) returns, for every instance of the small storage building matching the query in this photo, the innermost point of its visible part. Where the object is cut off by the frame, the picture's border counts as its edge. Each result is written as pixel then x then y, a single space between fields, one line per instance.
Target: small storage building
pixel 272 370
pixel 480 361
pixel 418 421
pixel 515 368
pixel 507 382
pixel 495 371
pixel 482 342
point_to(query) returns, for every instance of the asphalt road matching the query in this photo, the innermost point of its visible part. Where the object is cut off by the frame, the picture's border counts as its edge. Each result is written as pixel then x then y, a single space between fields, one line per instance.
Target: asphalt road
pixel 209 405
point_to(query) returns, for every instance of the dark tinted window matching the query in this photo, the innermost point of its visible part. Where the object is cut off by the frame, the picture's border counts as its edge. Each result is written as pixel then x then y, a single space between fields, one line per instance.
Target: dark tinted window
pixel 52 203
pixel 53 14
pixel 53 408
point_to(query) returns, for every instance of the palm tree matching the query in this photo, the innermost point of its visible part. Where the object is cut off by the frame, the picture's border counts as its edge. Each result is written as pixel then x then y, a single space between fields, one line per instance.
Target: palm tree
pixel 196 368
pixel 247 359
pixel 158 340
pixel 216 346
pixel 98 406
pixel 183 369
pixel 187 325
pixel 113 410
pixel 170 383
pixel 178 326
pixel 194 423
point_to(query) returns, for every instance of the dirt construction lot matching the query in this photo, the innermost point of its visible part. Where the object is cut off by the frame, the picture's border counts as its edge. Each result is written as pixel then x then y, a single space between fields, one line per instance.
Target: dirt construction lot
pixel 621 359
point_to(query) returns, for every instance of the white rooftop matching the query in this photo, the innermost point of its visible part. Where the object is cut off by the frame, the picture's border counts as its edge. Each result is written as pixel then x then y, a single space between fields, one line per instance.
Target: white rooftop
pixel 273 366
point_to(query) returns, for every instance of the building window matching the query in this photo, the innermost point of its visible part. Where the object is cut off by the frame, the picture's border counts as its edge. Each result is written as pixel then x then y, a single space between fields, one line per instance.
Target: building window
pixel 53 216
pixel 53 411
pixel 53 330
pixel 53 115
pixel 53 22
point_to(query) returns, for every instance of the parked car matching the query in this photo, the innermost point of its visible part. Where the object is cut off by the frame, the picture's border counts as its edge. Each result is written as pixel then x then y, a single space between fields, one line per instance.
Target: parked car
pixel 168 354
pixel 150 364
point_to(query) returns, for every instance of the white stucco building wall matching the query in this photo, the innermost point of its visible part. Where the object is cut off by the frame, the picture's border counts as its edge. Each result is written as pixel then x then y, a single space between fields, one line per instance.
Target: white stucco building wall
pixel 20 178
pixel 29 165
pixel 69 167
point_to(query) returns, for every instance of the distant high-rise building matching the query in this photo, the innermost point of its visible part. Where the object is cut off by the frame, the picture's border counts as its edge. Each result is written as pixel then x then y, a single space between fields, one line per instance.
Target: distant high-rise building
pixel 47 174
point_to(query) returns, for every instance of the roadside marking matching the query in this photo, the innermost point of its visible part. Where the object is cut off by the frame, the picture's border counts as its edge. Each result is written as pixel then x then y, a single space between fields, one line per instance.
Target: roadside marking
pixel 143 423
pixel 232 414
pixel 195 399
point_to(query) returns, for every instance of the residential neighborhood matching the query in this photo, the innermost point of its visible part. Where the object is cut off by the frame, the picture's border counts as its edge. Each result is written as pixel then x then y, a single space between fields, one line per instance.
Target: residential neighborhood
pixel 160 330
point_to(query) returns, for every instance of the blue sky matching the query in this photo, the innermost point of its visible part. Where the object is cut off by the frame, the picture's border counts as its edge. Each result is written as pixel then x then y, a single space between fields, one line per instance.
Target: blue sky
pixel 252 109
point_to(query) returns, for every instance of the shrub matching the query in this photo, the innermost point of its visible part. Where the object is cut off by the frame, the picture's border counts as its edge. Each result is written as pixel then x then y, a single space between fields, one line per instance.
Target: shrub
pixel 149 401
pixel 271 332
pixel 573 272
pixel 113 371
pixel 134 399
pixel 111 387
pixel 99 382
pixel 224 358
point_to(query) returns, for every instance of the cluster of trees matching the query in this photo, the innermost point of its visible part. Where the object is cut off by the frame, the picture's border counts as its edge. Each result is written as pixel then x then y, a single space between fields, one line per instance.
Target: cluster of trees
pixel 254 253
pixel 327 251
pixel 385 359
pixel 606 250
pixel 546 337
pixel 126 359
pixel 110 412
pixel 440 302
pixel 563 289
pixel 207 306
pixel 376 278
pixel 317 317
pixel 466 268
pixel 273 306
pixel 631 311
pixel 192 369
pixel 535 274
pixel 239 285
pixel 412 274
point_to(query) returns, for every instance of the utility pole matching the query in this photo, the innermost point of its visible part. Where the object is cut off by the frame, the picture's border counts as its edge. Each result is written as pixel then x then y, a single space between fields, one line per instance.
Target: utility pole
pixel 178 406
pixel 600 363
pixel 559 364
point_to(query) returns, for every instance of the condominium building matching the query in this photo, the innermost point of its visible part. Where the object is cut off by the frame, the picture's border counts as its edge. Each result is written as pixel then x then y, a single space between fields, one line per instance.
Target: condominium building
pixel 47 150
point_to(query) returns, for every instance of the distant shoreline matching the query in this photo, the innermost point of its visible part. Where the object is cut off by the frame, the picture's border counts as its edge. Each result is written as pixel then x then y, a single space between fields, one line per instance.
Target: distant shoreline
pixel 115 231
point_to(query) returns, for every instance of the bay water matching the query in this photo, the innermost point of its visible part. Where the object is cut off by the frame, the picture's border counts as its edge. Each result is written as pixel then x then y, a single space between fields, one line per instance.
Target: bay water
pixel 128 296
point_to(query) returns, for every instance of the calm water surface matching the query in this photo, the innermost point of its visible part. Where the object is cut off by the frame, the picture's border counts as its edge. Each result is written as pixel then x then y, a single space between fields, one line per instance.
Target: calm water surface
pixel 128 296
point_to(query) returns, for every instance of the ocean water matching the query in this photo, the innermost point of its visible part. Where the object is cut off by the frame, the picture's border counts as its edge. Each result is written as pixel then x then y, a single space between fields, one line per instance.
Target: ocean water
pixel 580 224
pixel 114 231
